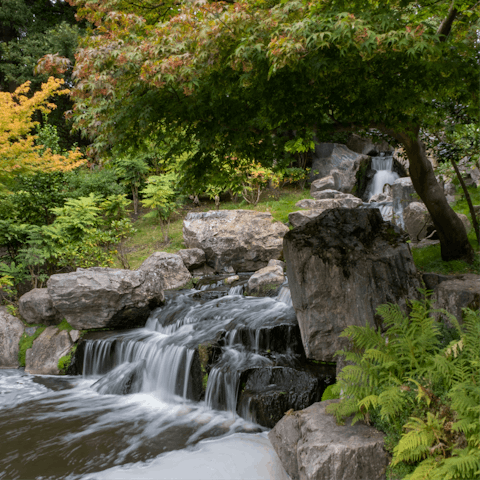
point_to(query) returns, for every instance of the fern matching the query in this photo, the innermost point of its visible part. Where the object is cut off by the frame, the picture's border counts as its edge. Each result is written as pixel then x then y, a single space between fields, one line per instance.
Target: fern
pixel 423 391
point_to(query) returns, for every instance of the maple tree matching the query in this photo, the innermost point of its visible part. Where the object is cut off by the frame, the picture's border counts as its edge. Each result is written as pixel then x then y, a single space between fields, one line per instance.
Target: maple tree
pixel 19 152
pixel 238 77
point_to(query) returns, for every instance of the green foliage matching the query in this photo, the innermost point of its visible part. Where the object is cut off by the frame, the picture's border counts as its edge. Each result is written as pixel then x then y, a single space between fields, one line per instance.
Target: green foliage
pixel 329 394
pixel 425 395
pixel 25 343
pixel 65 361
pixel 103 182
pixel 159 195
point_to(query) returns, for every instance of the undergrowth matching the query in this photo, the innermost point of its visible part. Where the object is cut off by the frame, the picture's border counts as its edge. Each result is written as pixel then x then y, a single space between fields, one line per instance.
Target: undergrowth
pixel 422 392
pixel 26 342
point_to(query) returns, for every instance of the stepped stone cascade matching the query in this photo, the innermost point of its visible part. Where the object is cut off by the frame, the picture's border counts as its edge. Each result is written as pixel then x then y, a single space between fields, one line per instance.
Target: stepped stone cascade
pixel 341 266
pixel 11 330
pixel 235 240
pixel 339 162
pixel 312 446
pixel 106 297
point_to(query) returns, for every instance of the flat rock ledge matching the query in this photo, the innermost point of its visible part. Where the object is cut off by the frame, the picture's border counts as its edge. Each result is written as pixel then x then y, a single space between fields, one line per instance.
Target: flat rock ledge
pixel 311 446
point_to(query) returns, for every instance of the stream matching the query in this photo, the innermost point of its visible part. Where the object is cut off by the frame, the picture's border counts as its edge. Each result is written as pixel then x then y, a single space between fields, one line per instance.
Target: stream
pixel 144 408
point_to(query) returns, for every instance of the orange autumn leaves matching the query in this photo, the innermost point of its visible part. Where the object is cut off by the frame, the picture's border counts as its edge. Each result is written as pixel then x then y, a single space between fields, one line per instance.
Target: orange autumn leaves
pixel 19 152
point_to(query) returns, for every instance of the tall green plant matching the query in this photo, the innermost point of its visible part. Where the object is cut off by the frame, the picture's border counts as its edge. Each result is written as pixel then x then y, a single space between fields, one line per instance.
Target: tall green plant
pixel 423 394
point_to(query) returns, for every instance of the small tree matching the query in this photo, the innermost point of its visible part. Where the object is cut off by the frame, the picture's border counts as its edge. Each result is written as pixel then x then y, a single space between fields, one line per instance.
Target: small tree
pixel 159 195
pixel 19 148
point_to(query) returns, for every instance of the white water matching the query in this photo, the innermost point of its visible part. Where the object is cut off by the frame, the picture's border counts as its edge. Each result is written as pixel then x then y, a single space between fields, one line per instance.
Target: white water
pixel 87 428
pixel 383 175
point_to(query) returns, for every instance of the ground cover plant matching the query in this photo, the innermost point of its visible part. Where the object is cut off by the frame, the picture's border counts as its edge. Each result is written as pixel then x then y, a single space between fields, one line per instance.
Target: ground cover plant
pixel 419 382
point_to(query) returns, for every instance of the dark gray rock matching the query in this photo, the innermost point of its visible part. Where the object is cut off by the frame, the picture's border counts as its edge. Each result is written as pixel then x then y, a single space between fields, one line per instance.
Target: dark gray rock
pixel 106 297
pixel 235 240
pixel 311 446
pixel 11 330
pixel 47 349
pixel 193 258
pixel 169 267
pixel 268 392
pixel 334 159
pixel 36 307
pixel 366 146
pixel 431 280
pixel 341 266
pixel 453 294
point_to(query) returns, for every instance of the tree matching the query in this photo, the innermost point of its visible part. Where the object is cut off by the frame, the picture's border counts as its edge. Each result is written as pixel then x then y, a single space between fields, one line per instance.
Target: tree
pixel 238 77
pixel 19 152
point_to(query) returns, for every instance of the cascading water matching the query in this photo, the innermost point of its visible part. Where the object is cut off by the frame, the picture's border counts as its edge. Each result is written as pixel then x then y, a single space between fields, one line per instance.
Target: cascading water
pixel 383 176
pixel 141 395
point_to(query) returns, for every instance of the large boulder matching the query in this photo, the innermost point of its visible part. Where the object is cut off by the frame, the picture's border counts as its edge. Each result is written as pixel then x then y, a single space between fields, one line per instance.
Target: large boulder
pixel 366 146
pixel 169 267
pixel 193 258
pixel 36 307
pixel 243 240
pixel 453 294
pixel 51 345
pixel 311 446
pixel 341 266
pixel 322 184
pixel 106 297
pixel 302 217
pixel 334 159
pixel 345 200
pixel 328 193
pixel 11 330
pixel 419 224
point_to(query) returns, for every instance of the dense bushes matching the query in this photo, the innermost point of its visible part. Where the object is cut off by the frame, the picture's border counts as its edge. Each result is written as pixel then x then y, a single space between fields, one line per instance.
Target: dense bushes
pixel 419 382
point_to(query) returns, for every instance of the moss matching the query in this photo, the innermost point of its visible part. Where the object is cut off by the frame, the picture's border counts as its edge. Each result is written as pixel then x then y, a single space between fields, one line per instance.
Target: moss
pixel 64 325
pixel 361 176
pixel 205 382
pixel 26 342
pixel 65 361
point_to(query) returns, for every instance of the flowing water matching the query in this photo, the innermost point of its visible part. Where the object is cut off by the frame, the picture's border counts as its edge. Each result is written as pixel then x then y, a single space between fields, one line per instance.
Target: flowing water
pixel 383 176
pixel 139 410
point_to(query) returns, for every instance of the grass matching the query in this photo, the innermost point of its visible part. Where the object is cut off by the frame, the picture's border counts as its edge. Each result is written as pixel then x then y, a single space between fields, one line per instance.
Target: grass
pixel 428 259
pixel 149 236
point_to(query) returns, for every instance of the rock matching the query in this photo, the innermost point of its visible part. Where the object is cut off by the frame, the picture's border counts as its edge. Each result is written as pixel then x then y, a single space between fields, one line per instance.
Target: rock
pixel 471 177
pixel 193 258
pixel 329 193
pixel 341 266
pixel 243 240
pixel 11 330
pixel 75 335
pixel 346 200
pixel 231 280
pixel 169 267
pixel 47 349
pixel 418 222
pixel 278 263
pixel 204 271
pixel 321 184
pixel 450 199
pixel 380 197
pixel 271 391
pixel 265 278
pixel 334 159
pixel 365 146
pixel 36 307
pixel 106 297
pixel 311 446
pixel 403 193
pixel 302 217
pixel 449 188
pixel 462 291
pixel 431 280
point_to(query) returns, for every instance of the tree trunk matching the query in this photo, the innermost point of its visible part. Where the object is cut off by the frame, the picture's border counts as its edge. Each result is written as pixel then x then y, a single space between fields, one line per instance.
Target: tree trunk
pixel 453 236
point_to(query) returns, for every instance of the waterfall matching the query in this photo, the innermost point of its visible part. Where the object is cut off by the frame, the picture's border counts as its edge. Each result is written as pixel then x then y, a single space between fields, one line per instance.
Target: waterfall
pixel 384 175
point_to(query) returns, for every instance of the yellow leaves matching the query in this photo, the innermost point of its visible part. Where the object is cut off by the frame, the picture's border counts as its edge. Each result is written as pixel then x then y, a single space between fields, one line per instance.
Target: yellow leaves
pixel 18 151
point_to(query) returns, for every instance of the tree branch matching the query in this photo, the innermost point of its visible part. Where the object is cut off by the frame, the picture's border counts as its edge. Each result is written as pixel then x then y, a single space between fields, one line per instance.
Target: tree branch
pixel 446 25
